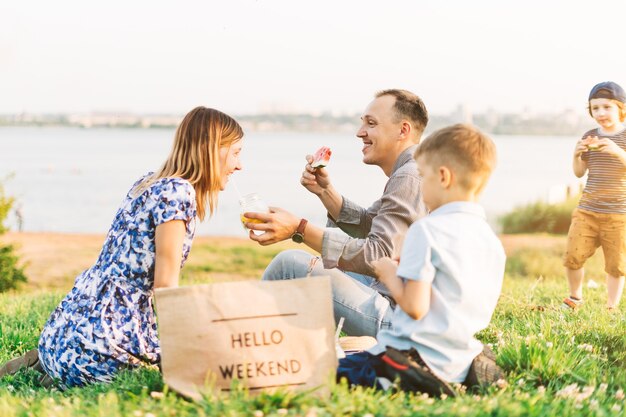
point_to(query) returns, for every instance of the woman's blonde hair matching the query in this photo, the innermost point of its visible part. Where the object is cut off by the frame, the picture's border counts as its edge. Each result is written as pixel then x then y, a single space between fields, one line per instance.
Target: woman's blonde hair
pixel 195 155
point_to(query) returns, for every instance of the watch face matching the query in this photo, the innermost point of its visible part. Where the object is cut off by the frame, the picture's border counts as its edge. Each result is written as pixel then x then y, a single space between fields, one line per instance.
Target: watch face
pixel 297 237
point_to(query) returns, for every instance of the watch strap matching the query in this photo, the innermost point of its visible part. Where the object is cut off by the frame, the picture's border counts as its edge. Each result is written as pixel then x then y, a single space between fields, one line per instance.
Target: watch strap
pixel 298 235
pixel 301 226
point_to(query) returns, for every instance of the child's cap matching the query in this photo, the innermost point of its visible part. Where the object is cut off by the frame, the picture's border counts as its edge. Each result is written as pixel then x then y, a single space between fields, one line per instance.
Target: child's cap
pixel 608 89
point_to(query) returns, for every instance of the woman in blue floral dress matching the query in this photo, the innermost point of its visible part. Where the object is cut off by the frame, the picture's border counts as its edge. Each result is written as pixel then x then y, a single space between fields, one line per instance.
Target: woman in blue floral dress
pixel 107 321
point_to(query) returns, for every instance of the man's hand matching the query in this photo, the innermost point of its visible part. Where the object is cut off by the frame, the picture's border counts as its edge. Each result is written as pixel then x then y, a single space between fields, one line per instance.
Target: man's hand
pixel 278 225
pixel 315 180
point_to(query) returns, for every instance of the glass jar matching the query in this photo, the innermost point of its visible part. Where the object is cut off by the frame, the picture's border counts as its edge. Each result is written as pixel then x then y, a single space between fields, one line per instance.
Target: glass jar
pixel 252 203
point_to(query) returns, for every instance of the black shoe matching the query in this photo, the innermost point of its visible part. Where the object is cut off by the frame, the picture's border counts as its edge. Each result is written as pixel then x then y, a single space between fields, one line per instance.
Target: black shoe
pixel 413 373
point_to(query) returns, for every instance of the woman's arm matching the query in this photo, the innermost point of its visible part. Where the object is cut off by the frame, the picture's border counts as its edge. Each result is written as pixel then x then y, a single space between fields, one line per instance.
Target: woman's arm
pixel 168 240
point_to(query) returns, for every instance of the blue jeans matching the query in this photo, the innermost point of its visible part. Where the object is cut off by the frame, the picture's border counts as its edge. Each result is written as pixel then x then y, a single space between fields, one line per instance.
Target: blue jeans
pixel 364 309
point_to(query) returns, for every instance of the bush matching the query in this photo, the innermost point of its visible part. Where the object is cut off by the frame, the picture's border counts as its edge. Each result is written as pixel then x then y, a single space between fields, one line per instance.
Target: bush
pixel 5 207
pixel 10 273
pixel 540 217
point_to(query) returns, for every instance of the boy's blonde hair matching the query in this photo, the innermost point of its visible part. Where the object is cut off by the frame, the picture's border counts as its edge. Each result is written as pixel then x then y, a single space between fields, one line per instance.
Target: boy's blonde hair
pixel 465 150
pixel 195 154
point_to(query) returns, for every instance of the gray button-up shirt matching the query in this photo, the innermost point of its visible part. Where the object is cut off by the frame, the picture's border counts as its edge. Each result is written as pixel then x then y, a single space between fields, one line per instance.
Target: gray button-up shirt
pixel 369 232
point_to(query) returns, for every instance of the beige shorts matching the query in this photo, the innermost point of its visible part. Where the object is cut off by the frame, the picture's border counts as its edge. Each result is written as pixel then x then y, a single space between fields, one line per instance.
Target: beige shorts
pixel 588 231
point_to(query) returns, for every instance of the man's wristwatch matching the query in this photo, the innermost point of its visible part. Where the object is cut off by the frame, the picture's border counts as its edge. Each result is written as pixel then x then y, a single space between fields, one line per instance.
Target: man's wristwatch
pixel 298 236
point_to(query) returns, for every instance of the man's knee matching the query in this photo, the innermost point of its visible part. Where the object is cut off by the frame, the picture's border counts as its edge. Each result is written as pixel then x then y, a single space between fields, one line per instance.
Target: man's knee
pixel 288 264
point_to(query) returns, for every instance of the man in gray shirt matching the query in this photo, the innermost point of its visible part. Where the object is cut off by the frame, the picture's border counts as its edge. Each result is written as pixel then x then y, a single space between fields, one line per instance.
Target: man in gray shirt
pixel 391 128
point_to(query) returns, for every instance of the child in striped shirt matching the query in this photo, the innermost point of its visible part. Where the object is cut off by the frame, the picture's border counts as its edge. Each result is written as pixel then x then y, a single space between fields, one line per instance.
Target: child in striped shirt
pixel 600 218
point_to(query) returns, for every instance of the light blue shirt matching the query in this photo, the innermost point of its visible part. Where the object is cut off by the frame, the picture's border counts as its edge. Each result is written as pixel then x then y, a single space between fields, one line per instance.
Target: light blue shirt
pixel 455 250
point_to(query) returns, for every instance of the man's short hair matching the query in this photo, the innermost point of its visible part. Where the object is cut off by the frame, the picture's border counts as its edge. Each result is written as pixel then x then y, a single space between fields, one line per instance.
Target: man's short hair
pixel 408 106
pixel 465 150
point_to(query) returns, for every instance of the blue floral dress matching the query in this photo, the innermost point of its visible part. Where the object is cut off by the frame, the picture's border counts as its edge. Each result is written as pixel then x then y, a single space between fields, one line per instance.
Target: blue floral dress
pixel 107 321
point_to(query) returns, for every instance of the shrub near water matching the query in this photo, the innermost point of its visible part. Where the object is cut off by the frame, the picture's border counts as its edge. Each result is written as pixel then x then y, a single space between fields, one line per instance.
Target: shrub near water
pixel 540 217
pixel 10 273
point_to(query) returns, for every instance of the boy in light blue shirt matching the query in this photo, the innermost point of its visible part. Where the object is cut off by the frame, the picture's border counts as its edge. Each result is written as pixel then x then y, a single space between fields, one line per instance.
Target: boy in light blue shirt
pixel 450 272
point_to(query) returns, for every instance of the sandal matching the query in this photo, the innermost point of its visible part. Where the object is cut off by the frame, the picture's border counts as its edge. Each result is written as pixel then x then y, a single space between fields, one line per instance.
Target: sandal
pixel 29 360
pixel 571 304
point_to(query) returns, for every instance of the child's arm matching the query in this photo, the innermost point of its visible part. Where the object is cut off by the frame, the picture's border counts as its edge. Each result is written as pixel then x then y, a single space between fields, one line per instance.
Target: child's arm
pixel 610 147
pixel 580 166
pixel 413 297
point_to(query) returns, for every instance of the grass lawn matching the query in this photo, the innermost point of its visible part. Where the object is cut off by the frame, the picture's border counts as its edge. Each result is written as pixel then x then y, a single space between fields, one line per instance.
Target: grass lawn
pixel 558 363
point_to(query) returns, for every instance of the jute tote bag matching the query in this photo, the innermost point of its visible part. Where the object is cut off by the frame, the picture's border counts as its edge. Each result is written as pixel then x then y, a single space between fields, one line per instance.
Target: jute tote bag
pixel 266 334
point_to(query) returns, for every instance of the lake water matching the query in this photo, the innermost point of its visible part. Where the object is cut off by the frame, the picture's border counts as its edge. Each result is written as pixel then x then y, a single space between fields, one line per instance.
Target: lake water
pixel 72 180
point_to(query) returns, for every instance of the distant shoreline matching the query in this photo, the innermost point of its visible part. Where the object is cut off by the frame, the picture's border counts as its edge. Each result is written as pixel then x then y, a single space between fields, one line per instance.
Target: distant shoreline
pixel 350 131
pixel 563 124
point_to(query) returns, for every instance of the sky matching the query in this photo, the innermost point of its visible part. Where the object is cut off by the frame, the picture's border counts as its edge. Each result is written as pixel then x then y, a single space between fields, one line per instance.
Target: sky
pixel 252 56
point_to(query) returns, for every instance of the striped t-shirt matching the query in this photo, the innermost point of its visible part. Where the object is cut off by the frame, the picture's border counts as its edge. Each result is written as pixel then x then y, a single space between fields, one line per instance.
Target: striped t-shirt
pixel 605 191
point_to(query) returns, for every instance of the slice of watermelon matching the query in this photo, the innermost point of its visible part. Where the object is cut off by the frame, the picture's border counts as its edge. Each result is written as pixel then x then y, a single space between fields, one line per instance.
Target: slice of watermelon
pixel 321 157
